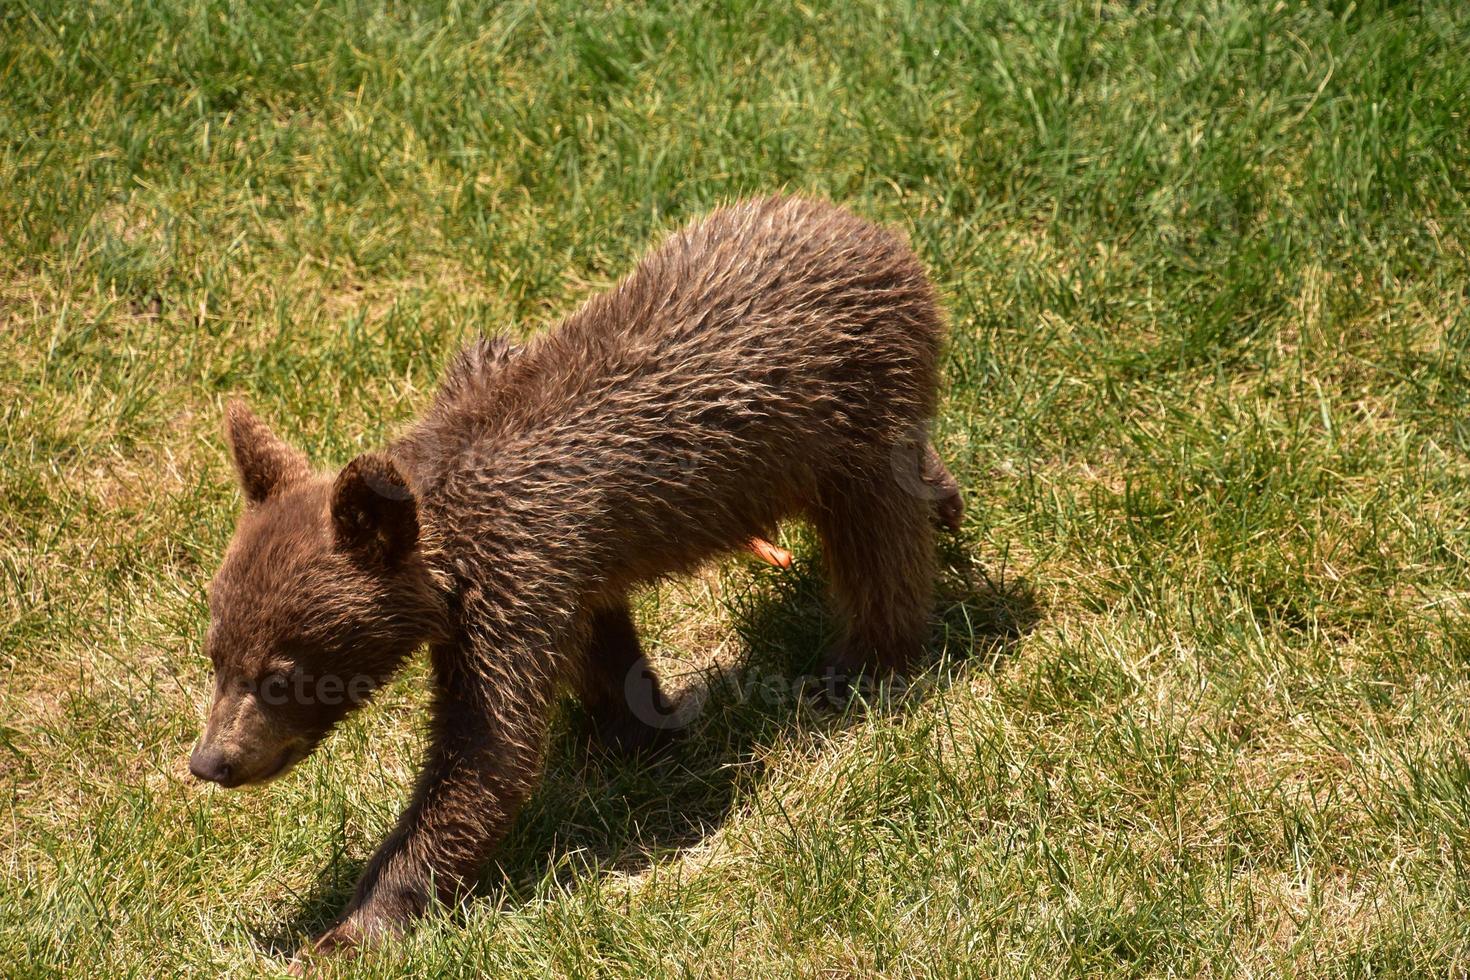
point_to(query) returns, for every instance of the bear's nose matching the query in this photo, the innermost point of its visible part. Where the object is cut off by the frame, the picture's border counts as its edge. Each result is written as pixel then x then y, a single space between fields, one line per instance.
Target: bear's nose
pixel 207 762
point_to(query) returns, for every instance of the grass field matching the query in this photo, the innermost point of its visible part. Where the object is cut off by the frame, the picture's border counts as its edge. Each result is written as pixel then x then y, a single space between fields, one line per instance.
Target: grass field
pixel 1198 704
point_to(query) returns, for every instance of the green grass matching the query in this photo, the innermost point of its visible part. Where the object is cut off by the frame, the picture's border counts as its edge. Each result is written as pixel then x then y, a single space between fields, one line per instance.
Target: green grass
pixel 1199 702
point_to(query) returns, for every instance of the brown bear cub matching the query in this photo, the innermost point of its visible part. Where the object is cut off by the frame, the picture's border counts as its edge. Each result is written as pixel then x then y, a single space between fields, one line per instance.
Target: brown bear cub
pixel 777 359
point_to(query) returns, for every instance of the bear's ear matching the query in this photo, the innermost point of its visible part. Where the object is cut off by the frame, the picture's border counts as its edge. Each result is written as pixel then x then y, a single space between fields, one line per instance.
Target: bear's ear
pixel 374 514
pixel 263 461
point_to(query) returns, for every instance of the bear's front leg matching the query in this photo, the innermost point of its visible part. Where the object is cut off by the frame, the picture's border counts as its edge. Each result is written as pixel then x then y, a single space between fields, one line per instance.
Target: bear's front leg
pixel 483 760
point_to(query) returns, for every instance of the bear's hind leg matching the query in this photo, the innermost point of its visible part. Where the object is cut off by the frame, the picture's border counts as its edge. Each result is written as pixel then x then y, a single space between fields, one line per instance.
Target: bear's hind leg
pixel 618 687
pixel 878 538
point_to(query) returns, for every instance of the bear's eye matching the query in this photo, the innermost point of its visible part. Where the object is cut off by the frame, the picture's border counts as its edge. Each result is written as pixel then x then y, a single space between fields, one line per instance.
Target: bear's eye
pixel 273 689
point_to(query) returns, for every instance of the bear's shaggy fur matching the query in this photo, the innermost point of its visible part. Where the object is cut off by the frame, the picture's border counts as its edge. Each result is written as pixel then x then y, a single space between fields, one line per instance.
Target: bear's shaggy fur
pixel 777 359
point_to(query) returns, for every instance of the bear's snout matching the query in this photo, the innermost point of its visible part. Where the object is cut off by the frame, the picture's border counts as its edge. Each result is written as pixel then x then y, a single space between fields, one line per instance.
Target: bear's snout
pixel 209 763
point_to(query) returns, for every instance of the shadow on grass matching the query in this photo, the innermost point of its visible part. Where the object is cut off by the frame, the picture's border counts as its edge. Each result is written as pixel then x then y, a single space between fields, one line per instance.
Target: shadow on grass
pixel 598 812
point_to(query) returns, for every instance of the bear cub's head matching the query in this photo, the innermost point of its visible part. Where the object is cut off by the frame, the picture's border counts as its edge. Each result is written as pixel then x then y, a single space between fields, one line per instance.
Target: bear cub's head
pixel 323 593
